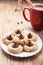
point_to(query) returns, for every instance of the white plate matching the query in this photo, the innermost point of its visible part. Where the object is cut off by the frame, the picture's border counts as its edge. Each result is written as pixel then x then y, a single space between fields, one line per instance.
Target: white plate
pixel 24 54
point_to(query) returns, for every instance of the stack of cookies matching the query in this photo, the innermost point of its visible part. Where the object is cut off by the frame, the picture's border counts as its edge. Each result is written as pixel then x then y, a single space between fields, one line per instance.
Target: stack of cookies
pixel 19 41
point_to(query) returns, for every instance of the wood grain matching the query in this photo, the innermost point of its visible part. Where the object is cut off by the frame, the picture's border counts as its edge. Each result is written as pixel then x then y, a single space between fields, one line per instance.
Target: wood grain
pixel 8 22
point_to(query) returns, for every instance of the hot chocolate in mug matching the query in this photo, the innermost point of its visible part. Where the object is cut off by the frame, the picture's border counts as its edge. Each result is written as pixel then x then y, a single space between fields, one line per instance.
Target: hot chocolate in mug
pixel 36 15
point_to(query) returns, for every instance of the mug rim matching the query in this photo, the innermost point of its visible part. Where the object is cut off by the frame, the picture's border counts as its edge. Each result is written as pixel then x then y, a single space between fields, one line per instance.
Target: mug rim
pixel 37 4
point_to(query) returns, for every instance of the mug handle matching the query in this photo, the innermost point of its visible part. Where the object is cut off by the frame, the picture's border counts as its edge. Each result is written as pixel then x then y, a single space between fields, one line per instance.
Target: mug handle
pixel 25 15
pixel 23 9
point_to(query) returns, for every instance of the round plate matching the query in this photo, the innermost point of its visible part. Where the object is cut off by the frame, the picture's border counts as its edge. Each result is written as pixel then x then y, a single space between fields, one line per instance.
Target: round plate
pixel 24 54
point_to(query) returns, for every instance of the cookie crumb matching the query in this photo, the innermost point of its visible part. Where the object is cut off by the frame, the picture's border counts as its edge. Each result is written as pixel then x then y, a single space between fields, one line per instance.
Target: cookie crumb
pixel 17 22
pixel 21 22
pixel 16 10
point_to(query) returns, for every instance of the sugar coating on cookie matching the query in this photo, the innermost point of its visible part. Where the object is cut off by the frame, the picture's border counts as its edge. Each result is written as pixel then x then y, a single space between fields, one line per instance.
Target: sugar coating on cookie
pixel 7 39
pixel 15 48
pixel 30 46
pixel 18 31
pixel 21 38
pixel 31 36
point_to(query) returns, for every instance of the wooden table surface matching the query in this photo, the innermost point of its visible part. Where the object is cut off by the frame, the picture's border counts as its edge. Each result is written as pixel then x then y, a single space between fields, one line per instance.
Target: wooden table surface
pixel 9 16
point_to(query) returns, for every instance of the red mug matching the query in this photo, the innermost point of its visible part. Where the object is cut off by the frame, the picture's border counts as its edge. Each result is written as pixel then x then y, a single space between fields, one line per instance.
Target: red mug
pixel 36 16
